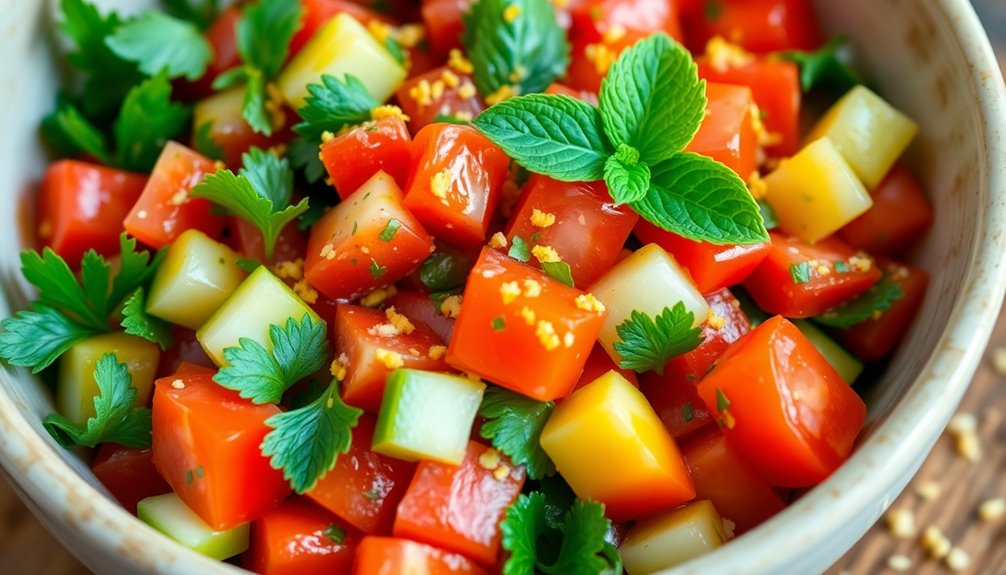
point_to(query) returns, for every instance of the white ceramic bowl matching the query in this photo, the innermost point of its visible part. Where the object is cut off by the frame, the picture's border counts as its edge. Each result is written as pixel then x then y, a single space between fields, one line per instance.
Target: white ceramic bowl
pixel 929 57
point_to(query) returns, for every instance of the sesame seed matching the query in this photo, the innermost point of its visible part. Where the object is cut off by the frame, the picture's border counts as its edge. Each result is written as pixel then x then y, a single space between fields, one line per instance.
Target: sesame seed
pixel 178 384
pixel 901 523
pixel 958 559
pixel 992 509
pixel 899 563
pixel 928 490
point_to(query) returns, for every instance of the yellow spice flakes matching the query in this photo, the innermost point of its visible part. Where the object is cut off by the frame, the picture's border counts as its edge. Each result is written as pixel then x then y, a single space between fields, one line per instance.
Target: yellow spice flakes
pixel 327 137
pixel 501 472
pixel 179 198
pixel 540 219
pixel 274 104
pixel 490 459
pixel 532 288
pixel 436 352
pixel 398 320
pixel 338 367
pixel 715 321
pixel 545 254
pixel 467 91
pixel 528 315
pixel 510 13
pixel 765 138
pixel 587 302
pixel 450 79
pixel 505 92
pixel 384 330
pixel 901 523
pixel 613 34
pixel 498 241
pixel 518 74
pixel 928 490
pixel 440 184
pixel 410 35
pixel 862 263
pixel 290 270
pixel 390 359
pixel 458 61
pixel 388 111
pixel 935 543
pixel 327 252
pixel 379 30
pixel 306 291
pixel 509 292
pixel 463 116
pixel 601 56
pixel 723 55
pixel 545 332
pixel 992 510
pixel 451 306
pixel 378 296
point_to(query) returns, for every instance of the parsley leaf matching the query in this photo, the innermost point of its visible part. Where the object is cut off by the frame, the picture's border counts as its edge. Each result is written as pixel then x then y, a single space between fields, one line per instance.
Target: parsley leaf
pixel 298 350
pixel 514 424
pixel 58 287
pixel 825 68
pixel 647 344
pixel 800 272
pixel 116 419
pixel 877 299
pixel 559 271
pixel 260 194
pixel 444 270
pixel 136 321
pixel 147 120
pixel 333 105
pixel 306 442
pixel 303 154
pixel 528 51
pixel 156 41
pixel 136 268
pixel 200 12
pixel 35 338
pixel 70 131
pixel 520 250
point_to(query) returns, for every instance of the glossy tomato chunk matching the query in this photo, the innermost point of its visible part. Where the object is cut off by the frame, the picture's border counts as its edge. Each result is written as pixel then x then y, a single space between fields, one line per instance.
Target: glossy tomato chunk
pixel 367 241
pixel 798 280
pixel 459 507
pixel 219 117
pixel 246 239
pixel 727 133
pixel 443 23
pixel 206 445
pixel 600 363
pixel 394 555
pixel 455 182
pixel 82 207
pixel 584 226
pixel 300 538
pixel 783 409
pixel 221 35
pixel 900 214
pixel 165 209
pixel 364 488
pixel 128 473
pixel 419 307
pixel 354 157
pixel 760 26
pixel 522 329
pixel 441 92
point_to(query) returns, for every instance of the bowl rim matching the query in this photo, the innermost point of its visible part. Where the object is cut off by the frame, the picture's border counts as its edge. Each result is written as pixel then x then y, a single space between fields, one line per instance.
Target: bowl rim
pixel 53 488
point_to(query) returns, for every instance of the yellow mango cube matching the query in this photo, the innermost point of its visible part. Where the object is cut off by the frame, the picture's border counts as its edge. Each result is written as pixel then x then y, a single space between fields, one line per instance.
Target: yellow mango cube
pixel 667 540
pixel 870 133
pixel 342 46
pixel 607 425
pixel 815 192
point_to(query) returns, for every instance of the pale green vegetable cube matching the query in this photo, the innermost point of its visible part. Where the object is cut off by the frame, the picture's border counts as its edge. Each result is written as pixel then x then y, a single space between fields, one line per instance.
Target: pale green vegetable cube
pixel 670 539
pixel 169 515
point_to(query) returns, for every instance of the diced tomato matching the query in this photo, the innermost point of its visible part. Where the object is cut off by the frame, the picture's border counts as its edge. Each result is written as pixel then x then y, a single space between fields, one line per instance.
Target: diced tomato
pixel 222 37
pixel 228 128
pixel 354 157
pixel 589 61
pixel 876 338
pixel 737 493
pixel 522 329
pixel 246 239
pixel 164 209
pixel 562 90
pixel 82 207
pixel 443 23
pixel 417 306
pixel 187 349
pixel 589 228
pixel 359 335
pixel 317 13
pixel 364 488
pixel 775 85
pixel 368 241
pixel 761 26
pixel 784 410
pixel 459 507
pixel 380 555
pixel 900 214
pixel 727 133
pixel 600 363
pixel 128 473
pixel 442 91
pixel 300 538
pixel 455 182
pixel 676 401
pixel 800 280
pixel 206 445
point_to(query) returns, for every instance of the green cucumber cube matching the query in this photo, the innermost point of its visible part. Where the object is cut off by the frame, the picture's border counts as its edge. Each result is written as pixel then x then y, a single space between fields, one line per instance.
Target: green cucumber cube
pixel 169 515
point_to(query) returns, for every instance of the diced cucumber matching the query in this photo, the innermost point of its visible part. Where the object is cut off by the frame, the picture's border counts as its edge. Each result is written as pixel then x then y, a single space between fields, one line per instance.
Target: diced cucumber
pixel 260 301
pixel 76 388
pixel 844 362
pixel 671 539
pixel 426 415
pixel 169 515
pixel 197 275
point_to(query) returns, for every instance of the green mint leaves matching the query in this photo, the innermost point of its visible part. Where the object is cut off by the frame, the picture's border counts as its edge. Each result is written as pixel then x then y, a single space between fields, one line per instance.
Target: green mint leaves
pixel 156 41
pixel 514 423
pixel 646 343
pixel 651 106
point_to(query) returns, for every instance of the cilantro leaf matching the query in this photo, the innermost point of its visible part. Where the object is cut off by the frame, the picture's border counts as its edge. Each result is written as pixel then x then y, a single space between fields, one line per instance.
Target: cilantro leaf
pixel 703 200
pixel 35 338
pixel 559 271
pixel 514 424
pixel 58 288
pixel 333 105
pixel 584 528
pixel 270 175
pixel 628 182
pixel 147 120
pixel 298 350
pixel 548 134
pixel 303 154
pixel 115 420
pixel 652 99
pixel 444 271
pixel 306 442
pixel 528 50
pixel 520 250
pixel 136 321
pixel 157 41
pixel 70 131
pixel 136 268
pixel 877 299
pixel 646 344
pixel 202 13
pixel 825 68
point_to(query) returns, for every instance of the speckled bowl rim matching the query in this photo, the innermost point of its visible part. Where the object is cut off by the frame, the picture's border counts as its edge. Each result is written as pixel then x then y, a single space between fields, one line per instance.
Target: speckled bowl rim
pixel 51 487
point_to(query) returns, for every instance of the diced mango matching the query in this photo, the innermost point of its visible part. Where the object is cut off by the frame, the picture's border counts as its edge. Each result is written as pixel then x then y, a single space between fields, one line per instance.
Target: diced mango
pixel 169 515
pixel 667 540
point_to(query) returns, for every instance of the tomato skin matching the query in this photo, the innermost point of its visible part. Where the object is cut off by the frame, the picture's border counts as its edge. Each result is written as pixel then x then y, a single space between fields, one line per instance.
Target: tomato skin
pixel 475 169
pixel 82 207
pixel 760 26
pixel 186 350
pixel 727 133
pixel 876 338
pixel 417 306
pixel 222 36
pixel 246 239
pixel 449 103
pixel 128 473
pixel 719 476
pixel 791 418
pixel 443 23
pixel 900 214
pixel 292 540
pixel 354 157
pixel 206 446
pixel 477 347
pixel 229 130
pixel 364 488
pixel 165 209
pixel 589 229
pixel 317 13
pixel 600 363
pixel 387 555
pixel 774 290
pixel 459 507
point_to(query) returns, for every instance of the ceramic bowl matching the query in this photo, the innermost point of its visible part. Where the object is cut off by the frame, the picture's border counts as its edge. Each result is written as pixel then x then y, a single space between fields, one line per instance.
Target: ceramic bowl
pixel 929 57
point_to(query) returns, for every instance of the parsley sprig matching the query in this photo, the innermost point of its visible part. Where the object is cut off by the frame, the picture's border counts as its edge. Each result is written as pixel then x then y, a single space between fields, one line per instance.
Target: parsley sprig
pixel 646 343
pixel 651 105
pixel 877 299
pixel 136 321
pixel 514 424
pixel 825 68
pixel 156 41
pixel 116 419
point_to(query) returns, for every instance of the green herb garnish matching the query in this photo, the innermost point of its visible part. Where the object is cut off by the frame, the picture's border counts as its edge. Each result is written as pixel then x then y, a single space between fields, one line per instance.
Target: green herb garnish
pixel 646 343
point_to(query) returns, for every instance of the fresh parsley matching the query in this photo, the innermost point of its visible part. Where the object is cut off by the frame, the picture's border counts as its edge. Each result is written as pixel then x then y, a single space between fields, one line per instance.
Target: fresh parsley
pixel 514 43
pixel 306 442
pixel 827 68
pixel 651 105
pixel 115 420
pixel 800 272
pixel 388 233
pixel 38 336
pixel 260 194
pixel 520 250
pixel 514 423
pixel 136 321
pixel 876 300
pixel 444 270
pixel 298 350
pixel 646 343
pixel 559 271
pixel 157 41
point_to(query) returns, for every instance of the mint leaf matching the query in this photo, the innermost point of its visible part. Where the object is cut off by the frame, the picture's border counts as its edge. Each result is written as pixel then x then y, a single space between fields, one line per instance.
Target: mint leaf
pixel 825 68
pixel 703 200
pixel 514 423
pixel 876 300
pixel 147 120
pixel 157 41
pixel 333 105
pixel 646 344
pixel 35 338
pixel 548 134
pixel 202 13
pixel 652 99
pixel 514 43
pixel 559 271
pixel 136 321
pixel 627 182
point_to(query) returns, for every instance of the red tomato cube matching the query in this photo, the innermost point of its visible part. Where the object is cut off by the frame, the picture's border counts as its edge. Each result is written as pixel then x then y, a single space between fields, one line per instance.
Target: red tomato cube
pixel 221 35
pixel 442 91
pixel 727 133
pixel 246 239
pixel 761 26
pixel 300 538
pixel 128 473
pixel 443 23
pixel 354 157
pixel 600 363
pixel 393 555
pixel 417 306
pixel 900 214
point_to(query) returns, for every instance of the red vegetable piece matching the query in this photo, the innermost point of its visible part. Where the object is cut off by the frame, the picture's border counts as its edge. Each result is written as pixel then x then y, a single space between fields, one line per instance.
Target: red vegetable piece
pixel 761 26
pixel 443 23
pixel 393 555
pixel 300 538
pixel 900 214
pixel 354 157
pixel 441 92
pixel 727 133
pixel 417 306
pixel 128 473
